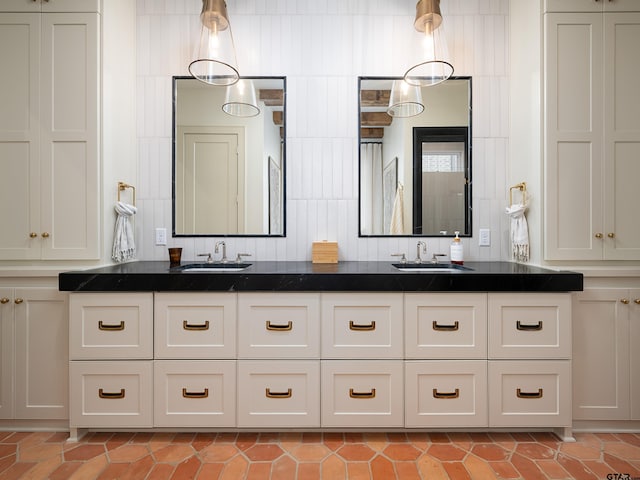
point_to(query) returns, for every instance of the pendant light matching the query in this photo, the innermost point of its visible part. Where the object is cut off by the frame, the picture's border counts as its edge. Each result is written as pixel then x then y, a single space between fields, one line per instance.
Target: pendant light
pixel 405 100
pixel 240 99
pixel 215 57
pixel 434 67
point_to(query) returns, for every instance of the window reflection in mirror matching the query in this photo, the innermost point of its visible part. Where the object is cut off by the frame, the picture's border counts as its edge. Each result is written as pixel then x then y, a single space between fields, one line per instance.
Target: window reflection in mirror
pixel 415 172
pixel 228 171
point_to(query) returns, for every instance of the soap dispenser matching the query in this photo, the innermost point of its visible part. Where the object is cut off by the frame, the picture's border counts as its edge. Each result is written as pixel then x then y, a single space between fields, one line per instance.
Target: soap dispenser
pixel 457 251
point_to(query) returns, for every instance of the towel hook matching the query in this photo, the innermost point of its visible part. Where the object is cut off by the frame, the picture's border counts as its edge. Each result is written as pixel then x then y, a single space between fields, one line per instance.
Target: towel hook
pixel 522 186
pixel 122 186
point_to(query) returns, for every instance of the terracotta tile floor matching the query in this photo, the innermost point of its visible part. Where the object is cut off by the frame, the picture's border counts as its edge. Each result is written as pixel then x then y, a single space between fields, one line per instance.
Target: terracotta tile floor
pixel 334 456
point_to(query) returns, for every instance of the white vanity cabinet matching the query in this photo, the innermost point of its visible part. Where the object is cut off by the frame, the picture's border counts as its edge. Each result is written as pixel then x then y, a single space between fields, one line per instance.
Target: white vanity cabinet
pixel 110 360
pixel 320 360
pixel 488 360
pixel 529 359
pixel 33 353
pixel 591 129
pixel 446 370
pixel 49 130
pixel 606 368
pixel 279 359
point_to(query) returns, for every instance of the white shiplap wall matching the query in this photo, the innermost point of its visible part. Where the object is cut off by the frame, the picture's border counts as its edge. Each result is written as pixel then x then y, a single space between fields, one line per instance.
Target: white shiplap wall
pixel 322 46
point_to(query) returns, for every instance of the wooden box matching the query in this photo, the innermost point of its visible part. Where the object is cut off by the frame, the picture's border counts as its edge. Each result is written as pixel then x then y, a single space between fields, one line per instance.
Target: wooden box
pixel 324 252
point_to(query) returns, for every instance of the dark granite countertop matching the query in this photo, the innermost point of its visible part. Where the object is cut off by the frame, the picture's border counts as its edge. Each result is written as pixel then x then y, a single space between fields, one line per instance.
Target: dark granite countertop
pixel 306 276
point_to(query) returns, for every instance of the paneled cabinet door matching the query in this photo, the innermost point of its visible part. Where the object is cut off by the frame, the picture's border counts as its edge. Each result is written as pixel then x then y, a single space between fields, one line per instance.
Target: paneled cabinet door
pixel 19 136
pixel 6 352
pixel 49 137
pixel 42 353
pixel 601 354
pixel 592 136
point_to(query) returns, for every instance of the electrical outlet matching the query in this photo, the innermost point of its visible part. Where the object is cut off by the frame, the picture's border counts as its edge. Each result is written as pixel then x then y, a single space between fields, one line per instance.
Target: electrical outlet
pixel 161 236
pixel 485 237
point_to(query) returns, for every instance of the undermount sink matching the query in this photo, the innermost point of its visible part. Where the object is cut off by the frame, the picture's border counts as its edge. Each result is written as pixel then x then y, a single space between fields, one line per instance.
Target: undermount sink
pixel 430 267
pixel 211 267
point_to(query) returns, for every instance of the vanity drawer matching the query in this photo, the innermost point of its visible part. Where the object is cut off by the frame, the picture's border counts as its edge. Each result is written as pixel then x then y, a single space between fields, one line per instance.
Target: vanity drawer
pixel 362 325
pixel 530 325
pixel 278 325
pixel 195 325
pixel 362 393
pixel 530 393
pixel 114 394
pixel 110 326
pixel 192 393
pixel 274 393
pixel 446 393
pixel 446 325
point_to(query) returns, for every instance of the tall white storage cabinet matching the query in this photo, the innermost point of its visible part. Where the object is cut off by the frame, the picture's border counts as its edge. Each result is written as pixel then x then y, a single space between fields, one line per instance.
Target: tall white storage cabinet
pixel 49 130
pixel 591 129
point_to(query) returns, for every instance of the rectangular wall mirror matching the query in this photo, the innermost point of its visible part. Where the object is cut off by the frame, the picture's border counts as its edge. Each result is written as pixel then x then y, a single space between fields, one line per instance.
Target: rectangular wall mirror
pixel 415 172
pixel 228 170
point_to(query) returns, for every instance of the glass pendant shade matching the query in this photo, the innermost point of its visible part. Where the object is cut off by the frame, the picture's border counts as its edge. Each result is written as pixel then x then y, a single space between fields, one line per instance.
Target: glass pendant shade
pixel 215 56
pixel 240 99
pixel 434 66
pixel 405 100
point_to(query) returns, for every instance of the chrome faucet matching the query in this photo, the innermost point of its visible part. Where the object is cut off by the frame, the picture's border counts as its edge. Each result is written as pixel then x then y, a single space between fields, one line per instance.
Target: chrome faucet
pixel 424 250
pixel 224 258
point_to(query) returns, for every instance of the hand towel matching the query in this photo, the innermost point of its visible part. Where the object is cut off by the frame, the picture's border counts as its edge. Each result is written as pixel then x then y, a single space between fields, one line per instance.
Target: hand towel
pixel 397 216
pixel 519 232
pixel 124 246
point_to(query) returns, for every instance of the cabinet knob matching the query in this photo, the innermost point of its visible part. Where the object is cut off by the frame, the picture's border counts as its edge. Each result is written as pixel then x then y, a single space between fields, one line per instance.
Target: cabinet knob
pixel 598 235
pixel 611 235
pixel 625 301
pixel 18 301
pixel 33 235
pixel 4 300
pixel 45 234
pixel 637 301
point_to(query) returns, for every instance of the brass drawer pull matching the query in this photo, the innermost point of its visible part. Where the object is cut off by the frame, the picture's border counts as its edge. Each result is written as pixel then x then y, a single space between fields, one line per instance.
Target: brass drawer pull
pixel 4 300
pixel 187 326
pixel 33 235
pixel 271 394
pixel 18 301
pixel 446 395
pixel 637 301
pixel 370 394
pixel 624 301
pixel 187 394
pixel 274 327
pixel 111 328
pixel 521 394
pixel 446 328
pixel 529 328
pixel 362 328
pixel 111 396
